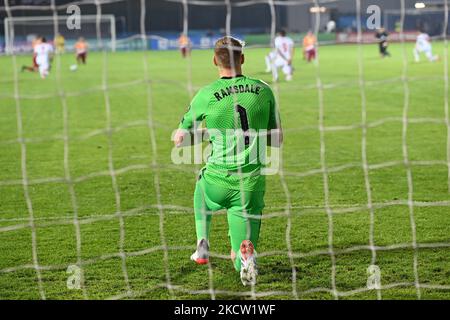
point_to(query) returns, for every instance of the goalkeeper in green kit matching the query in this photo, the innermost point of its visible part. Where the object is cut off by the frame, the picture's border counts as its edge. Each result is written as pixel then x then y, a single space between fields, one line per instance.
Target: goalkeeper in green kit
pixel 241 120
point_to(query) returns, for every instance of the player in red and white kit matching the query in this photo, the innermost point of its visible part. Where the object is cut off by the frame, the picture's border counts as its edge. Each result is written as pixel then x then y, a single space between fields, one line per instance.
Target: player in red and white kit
pixel 423 45
pixel 281 56
pixel 44 53
pixel 81 49
pixel 35 66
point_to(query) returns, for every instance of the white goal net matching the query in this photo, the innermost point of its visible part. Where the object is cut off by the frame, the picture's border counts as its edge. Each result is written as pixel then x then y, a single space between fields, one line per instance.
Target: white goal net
pixel 20 30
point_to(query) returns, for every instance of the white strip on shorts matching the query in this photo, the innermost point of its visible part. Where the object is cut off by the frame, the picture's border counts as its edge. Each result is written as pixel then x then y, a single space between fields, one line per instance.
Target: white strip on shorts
pixel 43 65
pixel 424 49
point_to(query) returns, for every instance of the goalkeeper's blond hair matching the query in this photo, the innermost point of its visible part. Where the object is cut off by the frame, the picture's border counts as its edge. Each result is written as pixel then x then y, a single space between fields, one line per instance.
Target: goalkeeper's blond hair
pixel 228 52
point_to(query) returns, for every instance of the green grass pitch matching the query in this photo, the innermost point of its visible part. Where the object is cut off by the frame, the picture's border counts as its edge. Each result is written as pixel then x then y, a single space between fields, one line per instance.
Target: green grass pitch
pixel 139 167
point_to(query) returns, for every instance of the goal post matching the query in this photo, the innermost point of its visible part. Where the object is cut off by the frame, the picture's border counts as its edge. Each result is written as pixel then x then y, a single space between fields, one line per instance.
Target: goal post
pixel 99 30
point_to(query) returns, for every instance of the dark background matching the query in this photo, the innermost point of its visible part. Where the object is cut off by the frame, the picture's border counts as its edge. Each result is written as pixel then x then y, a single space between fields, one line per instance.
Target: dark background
pixel 163 15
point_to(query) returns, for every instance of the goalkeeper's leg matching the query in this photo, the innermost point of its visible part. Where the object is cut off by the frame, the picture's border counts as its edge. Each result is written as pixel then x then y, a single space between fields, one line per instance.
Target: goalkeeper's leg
pixel 244 222
pixel 207 198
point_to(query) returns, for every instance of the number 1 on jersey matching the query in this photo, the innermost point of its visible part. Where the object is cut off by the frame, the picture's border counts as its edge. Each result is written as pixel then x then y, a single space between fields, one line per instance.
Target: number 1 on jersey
pixel 244 122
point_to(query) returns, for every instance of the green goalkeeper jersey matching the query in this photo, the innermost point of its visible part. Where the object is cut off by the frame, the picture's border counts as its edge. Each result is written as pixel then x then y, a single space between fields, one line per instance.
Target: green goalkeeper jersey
pixel 237 112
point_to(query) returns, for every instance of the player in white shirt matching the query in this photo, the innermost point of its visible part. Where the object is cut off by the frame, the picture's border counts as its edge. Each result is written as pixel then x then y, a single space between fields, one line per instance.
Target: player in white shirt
pixel 281 56
pixel 423 45
pixel 44 52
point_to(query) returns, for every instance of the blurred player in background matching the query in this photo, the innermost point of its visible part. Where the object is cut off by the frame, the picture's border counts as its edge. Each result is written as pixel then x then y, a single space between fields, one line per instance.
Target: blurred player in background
pixel 382 36
pixel 234 103
pixel 59 43
pixel 281 56
pixel 185 45
pixel 423 45
pixel 44 55
pixel 35 66
pixel 81 49
pixel 309 46
pixel 331 26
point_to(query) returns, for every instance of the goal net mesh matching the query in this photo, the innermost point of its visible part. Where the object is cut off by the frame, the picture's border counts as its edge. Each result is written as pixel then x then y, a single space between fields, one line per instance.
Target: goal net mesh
pixel 100 29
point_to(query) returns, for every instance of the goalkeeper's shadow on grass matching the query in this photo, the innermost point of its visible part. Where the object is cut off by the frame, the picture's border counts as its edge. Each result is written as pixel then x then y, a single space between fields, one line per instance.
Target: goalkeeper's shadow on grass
pixel 187 268
pixel 276 270
pixel 271 271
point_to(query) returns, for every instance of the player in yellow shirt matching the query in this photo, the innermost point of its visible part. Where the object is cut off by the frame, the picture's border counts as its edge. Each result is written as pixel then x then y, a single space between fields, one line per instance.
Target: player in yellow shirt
pixel 59 42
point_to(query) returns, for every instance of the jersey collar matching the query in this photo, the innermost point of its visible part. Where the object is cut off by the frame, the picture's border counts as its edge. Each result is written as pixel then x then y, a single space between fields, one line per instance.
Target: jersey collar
pixel 237 76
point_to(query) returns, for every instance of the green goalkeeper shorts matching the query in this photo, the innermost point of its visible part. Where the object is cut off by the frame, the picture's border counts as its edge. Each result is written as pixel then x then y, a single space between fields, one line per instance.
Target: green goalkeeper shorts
pixel 244 211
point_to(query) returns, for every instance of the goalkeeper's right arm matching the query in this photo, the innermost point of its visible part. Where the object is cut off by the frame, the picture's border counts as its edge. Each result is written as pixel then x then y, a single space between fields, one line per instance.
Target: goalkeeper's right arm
pixel 188 125
pixel 185 138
